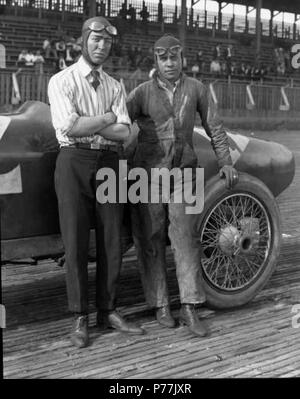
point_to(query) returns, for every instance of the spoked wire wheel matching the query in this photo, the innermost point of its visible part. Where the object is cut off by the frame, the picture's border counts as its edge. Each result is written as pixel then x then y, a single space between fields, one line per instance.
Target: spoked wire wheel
pixel 236 240
pixel 240 238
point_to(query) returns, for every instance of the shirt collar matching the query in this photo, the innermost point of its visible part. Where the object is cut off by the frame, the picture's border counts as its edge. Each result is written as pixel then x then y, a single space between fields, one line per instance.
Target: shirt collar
pixel 166 86
pixel 85 68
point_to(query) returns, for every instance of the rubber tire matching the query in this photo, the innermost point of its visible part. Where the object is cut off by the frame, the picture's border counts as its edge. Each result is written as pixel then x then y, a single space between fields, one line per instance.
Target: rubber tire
pixel 215 190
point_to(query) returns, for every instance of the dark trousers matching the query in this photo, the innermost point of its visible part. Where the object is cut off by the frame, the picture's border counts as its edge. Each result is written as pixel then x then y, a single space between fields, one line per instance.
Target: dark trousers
pixel 76 185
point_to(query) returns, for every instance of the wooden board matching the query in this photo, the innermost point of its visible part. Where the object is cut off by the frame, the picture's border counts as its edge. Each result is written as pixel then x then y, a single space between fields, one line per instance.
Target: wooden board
pixel 257 340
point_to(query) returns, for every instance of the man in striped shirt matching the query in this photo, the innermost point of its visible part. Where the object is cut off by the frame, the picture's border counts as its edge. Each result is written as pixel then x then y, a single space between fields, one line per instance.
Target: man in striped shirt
pixel 91 121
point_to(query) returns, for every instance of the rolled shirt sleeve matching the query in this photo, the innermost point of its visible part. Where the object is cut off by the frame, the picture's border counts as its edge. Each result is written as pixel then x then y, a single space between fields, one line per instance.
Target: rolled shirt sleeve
pixel 119 107
pixel 63 109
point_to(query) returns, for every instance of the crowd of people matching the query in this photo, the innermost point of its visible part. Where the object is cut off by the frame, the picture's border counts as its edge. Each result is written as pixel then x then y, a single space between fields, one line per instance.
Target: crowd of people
pixel 60 53
pixel 224 63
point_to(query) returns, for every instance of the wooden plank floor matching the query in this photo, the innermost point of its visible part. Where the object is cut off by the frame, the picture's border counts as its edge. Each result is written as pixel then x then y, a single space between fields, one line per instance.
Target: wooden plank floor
pixel 257 340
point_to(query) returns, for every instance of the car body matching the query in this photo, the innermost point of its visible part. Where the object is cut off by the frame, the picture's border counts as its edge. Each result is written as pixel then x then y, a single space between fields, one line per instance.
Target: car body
pixel 28 151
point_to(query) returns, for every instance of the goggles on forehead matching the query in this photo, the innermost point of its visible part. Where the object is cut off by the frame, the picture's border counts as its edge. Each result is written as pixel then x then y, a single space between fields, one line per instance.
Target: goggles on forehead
pixel 174 50
pixel 99 27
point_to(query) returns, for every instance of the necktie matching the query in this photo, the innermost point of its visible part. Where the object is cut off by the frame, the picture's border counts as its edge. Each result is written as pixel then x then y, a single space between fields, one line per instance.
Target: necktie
pixel 95 81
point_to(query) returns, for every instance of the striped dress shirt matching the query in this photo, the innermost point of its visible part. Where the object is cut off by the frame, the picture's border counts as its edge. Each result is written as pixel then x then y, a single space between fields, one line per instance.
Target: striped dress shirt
pixel 71 95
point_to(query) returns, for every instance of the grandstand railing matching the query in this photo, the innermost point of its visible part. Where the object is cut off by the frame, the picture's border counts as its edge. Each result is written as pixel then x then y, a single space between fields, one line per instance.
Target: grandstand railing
pixel 231 96
pixel 171 14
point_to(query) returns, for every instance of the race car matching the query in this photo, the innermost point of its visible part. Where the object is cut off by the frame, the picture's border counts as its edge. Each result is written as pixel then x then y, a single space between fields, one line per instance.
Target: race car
pixel 239 229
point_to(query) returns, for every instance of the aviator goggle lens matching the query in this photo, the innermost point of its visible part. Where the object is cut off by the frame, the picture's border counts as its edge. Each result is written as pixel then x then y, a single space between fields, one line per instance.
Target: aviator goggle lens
pixel 175 50
pixel 98 27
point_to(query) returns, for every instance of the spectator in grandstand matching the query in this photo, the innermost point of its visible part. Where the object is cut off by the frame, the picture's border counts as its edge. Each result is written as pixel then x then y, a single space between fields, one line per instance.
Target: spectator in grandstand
pixel 224 70
pixel 77 49
pixel 160 12
pixel 60 63
pixel 46 47
pixel 228 57
pixel 131 55
pixel 69 39
pixel 200 60
pixel 25 60
pixel 138 54
pixel 281 68
pixel 147 62
pixel 242 69
pixel 233 68
pixel 91 121
pixel 217 52
pixel 132 15
pixel 69 54
pixel 102 8
pixel 287 61
pixel 60 31
pixel 263 72
pixel 123 11
pixel 195 70
pixel 215 67
pixel 22 58
pixel 38 63
pixel 276 57
pixel 247 72
pixel 60 47
pixel 144 13
pixel 29 59
pixel 165 108
pixel 280 61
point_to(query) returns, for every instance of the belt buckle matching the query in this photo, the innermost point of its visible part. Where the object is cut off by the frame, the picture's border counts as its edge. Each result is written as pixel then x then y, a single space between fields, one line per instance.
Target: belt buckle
pixel 95 146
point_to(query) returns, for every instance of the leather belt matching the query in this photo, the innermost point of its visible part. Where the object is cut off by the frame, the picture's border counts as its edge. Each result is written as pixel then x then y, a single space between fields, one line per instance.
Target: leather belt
pixel 97 146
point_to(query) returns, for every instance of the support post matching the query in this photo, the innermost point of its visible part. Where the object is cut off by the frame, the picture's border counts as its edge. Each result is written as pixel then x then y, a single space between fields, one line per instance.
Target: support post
pixel 182 26
pixel 220 16
pixel 271 24
pixel 246 20
pixel 258 27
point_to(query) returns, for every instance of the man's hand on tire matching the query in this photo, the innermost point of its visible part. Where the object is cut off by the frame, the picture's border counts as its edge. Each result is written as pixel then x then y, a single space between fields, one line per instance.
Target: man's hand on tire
pixel 230 174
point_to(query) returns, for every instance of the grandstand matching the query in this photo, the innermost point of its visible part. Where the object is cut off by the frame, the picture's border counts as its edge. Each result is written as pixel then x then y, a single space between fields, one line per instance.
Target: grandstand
pixel 26 24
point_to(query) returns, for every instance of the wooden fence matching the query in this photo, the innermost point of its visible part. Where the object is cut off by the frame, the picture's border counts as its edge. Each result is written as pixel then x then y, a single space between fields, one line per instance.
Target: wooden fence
pixel 231 96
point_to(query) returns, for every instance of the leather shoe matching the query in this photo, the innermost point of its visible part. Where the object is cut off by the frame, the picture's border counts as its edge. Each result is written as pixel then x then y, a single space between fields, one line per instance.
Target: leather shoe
pixel 79 332
pixel 114 320
pixel 188 316
pixel 164 316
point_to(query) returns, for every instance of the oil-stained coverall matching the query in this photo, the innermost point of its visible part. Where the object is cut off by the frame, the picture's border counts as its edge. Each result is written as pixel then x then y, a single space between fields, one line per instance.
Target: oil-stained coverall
pixel 166 122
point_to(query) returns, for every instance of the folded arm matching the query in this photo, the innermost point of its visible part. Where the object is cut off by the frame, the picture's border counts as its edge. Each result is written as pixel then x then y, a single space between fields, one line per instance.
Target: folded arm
pixel 113 125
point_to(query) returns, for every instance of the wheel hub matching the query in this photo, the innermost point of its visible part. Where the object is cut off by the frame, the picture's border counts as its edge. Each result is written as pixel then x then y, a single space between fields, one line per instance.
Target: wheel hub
pixel 233 241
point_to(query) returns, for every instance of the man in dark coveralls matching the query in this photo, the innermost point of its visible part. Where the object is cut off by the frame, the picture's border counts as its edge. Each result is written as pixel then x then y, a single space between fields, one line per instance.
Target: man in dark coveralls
pixel 165 109
pixel 91 121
